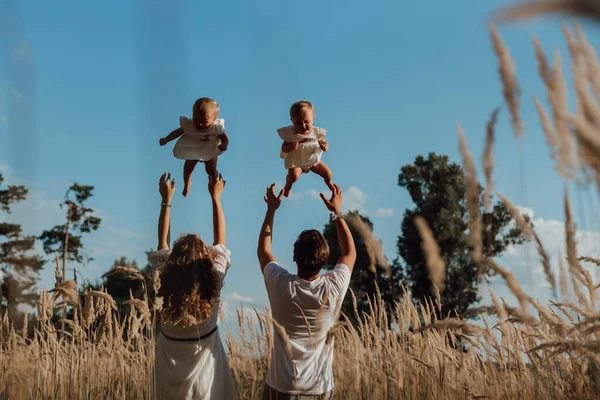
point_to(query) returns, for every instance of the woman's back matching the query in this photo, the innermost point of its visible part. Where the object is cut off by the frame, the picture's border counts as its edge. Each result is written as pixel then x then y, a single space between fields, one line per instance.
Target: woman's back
pixel 191 362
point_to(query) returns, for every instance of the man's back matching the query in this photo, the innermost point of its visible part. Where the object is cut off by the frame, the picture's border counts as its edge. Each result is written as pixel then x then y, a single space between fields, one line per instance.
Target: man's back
pixel 305 306
pixel 306 310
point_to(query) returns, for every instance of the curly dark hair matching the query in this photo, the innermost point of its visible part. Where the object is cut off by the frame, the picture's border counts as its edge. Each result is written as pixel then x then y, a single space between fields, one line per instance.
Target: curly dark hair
pixel 311 252
pixel 189 284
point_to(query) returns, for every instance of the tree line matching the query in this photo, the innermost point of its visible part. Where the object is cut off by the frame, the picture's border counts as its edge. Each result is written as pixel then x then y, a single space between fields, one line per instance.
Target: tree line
pixel 436 187
pixel 20 266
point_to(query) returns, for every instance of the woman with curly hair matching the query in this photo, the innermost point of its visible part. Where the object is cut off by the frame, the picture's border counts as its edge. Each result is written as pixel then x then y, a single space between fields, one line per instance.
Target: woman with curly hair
pixel 191 362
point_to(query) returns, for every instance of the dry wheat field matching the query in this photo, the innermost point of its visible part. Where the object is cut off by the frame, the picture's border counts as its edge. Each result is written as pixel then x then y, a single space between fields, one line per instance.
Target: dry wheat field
pixel 532 351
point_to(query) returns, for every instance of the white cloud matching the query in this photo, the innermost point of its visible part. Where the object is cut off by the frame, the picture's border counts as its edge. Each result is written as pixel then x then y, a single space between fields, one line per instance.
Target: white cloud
pixel 230 321
pixel 524 261
pixel 384 212
pixel 239 298
pixel 4 120
pixel 314 194
pixel 354 199
pixel 231 305
pixel 526 211
pixel 295 196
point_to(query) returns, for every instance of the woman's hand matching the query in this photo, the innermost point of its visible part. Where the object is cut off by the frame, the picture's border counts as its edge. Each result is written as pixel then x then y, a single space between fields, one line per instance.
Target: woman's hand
pixel 166 187
pixel 216 186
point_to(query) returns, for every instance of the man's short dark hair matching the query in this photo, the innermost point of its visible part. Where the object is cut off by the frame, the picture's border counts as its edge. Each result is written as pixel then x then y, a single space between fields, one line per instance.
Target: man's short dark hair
pixel 311 252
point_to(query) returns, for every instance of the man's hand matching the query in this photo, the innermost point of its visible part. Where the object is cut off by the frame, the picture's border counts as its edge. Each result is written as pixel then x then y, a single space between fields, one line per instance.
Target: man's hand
pixel 216 186
pixel 166 187
pixel 345 240
pixel 163 141
pixel 324 145
pixel 335 203
pixel 273 202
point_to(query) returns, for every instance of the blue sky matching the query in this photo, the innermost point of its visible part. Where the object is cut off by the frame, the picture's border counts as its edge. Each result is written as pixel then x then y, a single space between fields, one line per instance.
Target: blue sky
pixel 87 89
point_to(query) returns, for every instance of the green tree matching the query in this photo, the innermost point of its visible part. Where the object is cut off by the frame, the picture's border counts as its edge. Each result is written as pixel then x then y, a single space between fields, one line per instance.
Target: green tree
pixel 19 269
pixel 437 189
pixel 66 238
pixel 365 279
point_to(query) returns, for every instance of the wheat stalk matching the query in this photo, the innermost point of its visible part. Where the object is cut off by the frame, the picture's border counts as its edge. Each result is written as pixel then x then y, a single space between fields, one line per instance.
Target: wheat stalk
pixel 475 226
pixel 510 87
pixel 435 264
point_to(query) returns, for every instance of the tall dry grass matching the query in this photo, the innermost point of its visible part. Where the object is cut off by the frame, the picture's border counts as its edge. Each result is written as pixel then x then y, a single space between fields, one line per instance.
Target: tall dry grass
pixel 532 351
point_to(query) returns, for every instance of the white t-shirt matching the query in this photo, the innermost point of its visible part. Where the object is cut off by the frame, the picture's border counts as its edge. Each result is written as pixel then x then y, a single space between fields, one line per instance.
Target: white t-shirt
pixel 294 302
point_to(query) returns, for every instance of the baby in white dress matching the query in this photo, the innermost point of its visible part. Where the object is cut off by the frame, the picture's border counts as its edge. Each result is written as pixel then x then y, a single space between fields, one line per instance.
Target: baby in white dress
pixel 201 139
pixel 303 146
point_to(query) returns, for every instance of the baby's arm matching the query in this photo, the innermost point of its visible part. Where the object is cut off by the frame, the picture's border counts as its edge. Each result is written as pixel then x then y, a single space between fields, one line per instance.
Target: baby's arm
pixel 323 144
pixel 286 147
pixel 322 141
pixel 171 136
pixel 224 141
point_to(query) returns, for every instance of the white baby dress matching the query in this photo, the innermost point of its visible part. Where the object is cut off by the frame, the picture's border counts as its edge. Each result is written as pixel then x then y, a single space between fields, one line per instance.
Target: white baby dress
pixel 308 154
pixel 195 145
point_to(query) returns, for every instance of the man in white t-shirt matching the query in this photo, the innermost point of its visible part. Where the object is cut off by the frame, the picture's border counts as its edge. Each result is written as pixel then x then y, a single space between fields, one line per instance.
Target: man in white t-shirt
pixel 305 306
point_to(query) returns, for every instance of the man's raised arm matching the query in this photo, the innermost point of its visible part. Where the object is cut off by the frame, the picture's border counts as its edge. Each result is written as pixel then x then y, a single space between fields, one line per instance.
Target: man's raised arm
pixel 345 239
pixel 266 232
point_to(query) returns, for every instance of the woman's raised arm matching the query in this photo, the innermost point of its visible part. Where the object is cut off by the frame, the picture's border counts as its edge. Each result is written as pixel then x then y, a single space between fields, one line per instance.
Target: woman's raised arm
pixel 166 188
pixel 215 188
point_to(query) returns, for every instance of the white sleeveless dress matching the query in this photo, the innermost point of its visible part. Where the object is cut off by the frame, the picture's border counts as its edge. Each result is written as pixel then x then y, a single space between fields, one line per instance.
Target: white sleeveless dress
pixel 193 370
pixel 308 154
pixel 195 145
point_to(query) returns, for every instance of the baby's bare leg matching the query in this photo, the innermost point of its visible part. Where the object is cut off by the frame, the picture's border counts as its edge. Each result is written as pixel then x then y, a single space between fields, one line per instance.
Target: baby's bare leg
pixel 292 176
pixel 211 167
pixel 323 171
pixel 188 168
